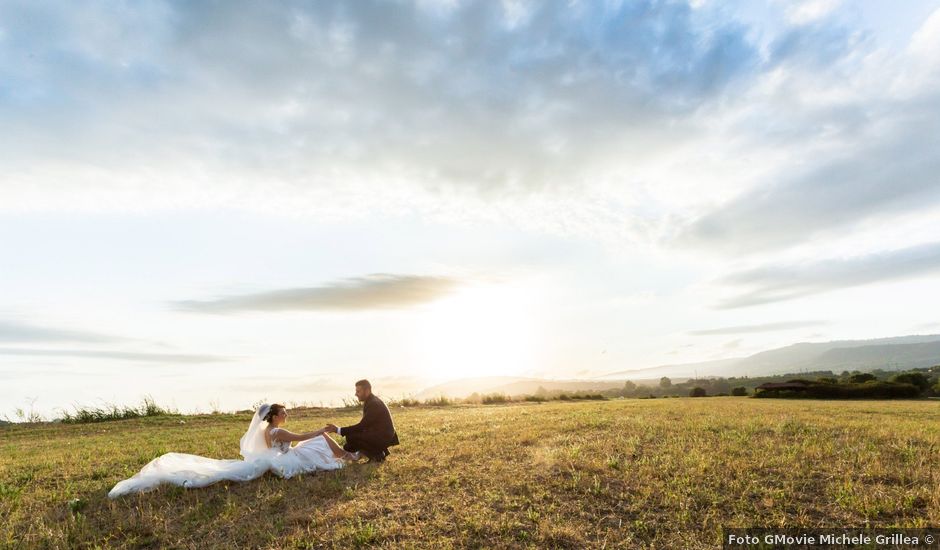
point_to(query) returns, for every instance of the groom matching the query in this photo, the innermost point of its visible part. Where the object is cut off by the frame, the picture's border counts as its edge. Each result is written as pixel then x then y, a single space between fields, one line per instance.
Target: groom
pixel 375 433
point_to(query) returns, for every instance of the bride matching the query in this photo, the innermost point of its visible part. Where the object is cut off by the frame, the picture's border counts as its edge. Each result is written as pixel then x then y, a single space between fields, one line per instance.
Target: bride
pixel 265 446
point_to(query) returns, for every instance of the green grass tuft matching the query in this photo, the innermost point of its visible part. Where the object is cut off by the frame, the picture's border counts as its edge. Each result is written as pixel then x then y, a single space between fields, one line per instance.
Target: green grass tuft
pixel 105 413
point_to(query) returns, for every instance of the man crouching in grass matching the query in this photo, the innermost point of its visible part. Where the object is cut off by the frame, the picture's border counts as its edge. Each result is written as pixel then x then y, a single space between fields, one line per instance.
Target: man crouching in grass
pixel 375 433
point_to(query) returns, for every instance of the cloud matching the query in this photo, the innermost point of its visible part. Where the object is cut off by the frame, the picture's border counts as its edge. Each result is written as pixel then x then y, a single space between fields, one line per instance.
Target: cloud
pixel 806 11
pixel 336 383
pixel 15 332
pixel 776 283
pixel 619 120
pixel 891 177
pixel 277 384
pixel 813 46
pixel 342 105
pixel 121 355
pixel 852 146
pixel 765 327
pixel 377 291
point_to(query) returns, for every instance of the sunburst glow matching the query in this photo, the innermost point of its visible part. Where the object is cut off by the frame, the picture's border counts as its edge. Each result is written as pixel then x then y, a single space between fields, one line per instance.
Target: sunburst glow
pixel 480 331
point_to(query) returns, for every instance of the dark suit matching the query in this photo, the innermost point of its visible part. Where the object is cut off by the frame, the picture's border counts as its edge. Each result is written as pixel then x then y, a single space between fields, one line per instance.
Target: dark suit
pixel 374 434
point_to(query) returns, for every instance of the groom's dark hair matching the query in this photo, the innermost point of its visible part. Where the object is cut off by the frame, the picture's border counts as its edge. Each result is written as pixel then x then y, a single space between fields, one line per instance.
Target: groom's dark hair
pixel 364 384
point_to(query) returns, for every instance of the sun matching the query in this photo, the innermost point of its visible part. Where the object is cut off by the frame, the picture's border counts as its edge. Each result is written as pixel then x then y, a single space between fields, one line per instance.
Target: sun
pixel 480 331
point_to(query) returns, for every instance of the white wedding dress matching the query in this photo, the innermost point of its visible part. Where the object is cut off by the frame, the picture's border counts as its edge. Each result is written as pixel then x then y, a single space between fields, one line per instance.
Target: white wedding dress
pixel 193 471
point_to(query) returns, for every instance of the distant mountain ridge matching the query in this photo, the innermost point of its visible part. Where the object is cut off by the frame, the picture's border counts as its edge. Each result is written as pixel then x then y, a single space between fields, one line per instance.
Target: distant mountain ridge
pixel 896 353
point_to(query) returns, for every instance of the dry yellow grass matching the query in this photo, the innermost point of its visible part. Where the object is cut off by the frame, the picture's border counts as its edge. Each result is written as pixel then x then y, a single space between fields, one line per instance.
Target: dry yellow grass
pixel 664 473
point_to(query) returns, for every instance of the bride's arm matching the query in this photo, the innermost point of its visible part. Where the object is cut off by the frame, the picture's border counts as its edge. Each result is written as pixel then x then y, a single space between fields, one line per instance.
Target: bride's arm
pixel 284 435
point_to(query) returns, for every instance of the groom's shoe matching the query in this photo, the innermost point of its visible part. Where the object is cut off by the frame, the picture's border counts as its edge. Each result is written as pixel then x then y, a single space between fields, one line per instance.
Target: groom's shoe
pixel 376 458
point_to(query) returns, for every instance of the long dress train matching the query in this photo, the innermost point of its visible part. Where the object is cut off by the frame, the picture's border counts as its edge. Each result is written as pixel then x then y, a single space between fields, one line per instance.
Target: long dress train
pixel 193 471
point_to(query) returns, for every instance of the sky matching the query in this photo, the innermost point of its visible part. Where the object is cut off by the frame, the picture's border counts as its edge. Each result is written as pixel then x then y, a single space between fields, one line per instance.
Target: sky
pixel 218 204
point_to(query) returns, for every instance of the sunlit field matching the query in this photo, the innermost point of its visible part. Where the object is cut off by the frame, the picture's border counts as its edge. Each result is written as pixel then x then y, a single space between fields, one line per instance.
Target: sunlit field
pixel 665 473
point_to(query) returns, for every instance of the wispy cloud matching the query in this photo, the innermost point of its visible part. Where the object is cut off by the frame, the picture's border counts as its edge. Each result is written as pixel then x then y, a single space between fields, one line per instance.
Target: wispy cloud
pixel 17 332
pixel 275 385
pixel 336 382
pixel 377 291
pixel 120 355
pixel 806 11
pixel 765 327
pixel 733 344
pixel 894 176
pixel 776 283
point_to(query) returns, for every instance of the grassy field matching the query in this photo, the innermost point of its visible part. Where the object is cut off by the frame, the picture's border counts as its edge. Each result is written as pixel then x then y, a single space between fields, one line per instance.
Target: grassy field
pixel 624 473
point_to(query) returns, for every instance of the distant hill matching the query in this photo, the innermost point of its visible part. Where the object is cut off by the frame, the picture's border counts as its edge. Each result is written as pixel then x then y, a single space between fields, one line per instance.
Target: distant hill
pixel 513 386
pixel 898 353
pixel 890 357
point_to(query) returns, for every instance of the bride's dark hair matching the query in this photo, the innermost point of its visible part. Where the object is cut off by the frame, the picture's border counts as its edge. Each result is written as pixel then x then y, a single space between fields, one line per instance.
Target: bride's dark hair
pixel 273 411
